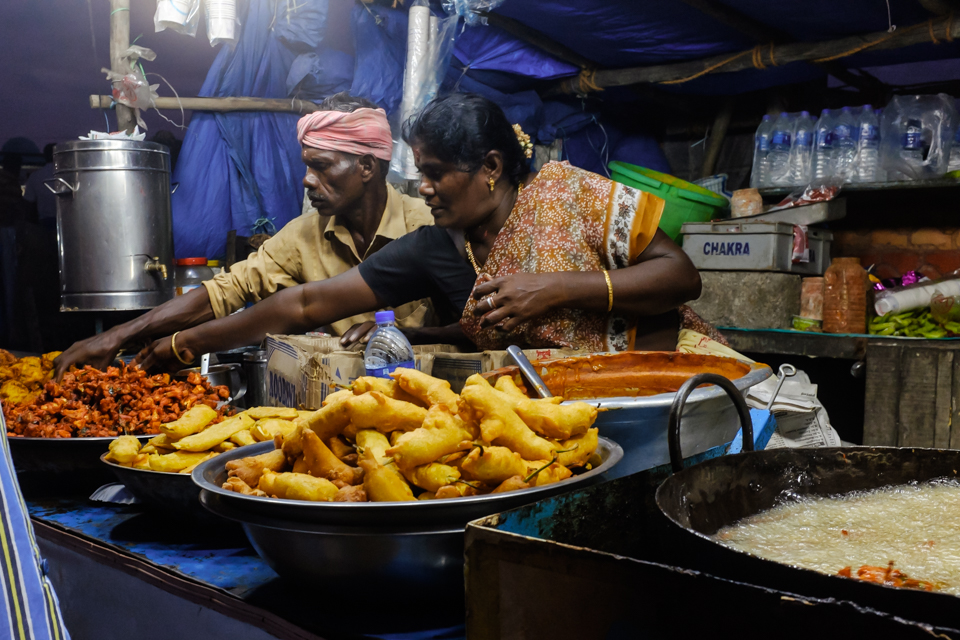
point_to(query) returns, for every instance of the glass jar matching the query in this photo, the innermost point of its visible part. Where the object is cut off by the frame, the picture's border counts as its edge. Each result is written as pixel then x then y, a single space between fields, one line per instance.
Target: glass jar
pixel 845 297
pixel 215 267
pixel 190 273
pixel 811 298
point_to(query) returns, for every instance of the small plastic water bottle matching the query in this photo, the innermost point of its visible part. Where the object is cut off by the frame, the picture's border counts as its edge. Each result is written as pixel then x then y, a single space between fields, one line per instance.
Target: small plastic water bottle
pixel 388 349
pixel 954 162
pixel 801 156
pixel 779 156
pixel 869 145
pixel 845 145
pixel 759 176
pixel 823 147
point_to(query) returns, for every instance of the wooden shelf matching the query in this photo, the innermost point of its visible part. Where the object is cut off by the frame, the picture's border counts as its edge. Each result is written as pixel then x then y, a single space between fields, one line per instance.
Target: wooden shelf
pixel 821 345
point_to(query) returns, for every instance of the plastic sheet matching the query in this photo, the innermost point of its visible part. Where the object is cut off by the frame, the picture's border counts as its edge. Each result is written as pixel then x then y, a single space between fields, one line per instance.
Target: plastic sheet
pixel 382 36
pixel 316 75
pixel 300 24
pixel 237 168
pixel 181 16
pixel 916 134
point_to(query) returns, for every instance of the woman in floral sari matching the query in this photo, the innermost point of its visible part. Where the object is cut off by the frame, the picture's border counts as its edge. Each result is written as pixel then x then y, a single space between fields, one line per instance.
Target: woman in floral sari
pixel 565 258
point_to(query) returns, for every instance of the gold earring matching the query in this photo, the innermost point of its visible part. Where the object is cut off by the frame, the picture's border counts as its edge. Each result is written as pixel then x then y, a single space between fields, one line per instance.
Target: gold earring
pixel 491 182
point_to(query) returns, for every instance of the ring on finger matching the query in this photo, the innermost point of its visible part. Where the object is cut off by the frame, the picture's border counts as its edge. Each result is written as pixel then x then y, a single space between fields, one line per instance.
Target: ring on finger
pixel 492 302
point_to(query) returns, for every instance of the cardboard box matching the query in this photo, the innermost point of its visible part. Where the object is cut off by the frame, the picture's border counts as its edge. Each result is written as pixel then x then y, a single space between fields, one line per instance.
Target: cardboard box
pixel 302 371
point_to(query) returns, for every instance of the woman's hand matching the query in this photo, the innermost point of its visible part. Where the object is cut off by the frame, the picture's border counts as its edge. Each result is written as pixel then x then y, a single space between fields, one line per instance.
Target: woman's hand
pixel 516 299
pixel 360 332
pixel 159 356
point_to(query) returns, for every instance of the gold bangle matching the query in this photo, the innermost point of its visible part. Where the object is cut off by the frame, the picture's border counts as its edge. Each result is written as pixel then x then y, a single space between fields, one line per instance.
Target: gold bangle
pixel 173 347
pixel 609 291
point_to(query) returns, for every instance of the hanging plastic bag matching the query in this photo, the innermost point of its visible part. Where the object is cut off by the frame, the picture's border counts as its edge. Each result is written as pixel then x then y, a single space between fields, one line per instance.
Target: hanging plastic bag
pixel 916 134
pixel 181 16
pixel 130 86
pixel 429 45
pixel 470 10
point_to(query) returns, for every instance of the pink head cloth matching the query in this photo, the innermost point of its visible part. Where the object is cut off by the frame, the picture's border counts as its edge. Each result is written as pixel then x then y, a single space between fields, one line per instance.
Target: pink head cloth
pixel 361 132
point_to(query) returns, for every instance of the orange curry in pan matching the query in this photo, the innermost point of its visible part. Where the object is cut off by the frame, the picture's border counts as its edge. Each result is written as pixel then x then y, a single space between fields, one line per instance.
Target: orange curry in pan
pixel 626 374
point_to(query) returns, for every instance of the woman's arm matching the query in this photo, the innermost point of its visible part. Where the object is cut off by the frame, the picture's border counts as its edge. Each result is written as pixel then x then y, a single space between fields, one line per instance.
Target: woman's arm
pixel 663 279
pixel 294 310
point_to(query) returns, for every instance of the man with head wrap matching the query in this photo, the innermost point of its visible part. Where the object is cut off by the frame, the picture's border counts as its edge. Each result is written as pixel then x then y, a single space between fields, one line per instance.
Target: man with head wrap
pixel 346 147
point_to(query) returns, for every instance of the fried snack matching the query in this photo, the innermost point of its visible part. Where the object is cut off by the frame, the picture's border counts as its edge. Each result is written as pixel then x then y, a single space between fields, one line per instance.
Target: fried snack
pixel 372 445
pixel 387 387
pixel 216 434
pixel 194 465
pixel 513 483
pixel 142 461
pixel 544 472
pixel 14 392
pixel 174 462
pixel 321 463
pixel 427 495
pixel 92 403
pixel 291 444
pixel 441 433
pixel 545 416
pixel 333 417
pixel 374 410
pixel 238 485
pixel 300 466
pixel 351 494
pixel 430 390
pixel 340 448
pixel 432 476
pixel 492 465
pixel 31 370
pixel 297 486
pixel 194 420
pixel 284 413
pixel 250 469
pixel 575 451
pixel 224 446
pixel 6 358
pixel 501 425
pixel 505 384
pixel 384 484
pixel 161 443
pixel 123 450
pixel 268 428
pixel 242 438
pixel 462 489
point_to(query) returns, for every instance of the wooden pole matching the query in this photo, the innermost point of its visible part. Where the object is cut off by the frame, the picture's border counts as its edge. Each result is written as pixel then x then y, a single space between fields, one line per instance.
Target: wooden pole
pixel 781 55
pixel 220 105
pixel 717 134
pixel 120 42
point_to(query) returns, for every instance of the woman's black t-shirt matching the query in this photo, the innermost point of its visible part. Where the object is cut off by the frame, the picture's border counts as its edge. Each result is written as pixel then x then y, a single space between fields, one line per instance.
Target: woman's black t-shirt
pixel 421 264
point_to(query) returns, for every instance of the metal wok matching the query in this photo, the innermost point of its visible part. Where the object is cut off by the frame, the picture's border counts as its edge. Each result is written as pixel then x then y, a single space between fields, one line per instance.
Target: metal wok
pixel 700 500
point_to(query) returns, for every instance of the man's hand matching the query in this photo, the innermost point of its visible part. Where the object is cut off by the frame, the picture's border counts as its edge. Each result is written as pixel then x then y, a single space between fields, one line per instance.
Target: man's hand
pixel 98 351
pixel 515 299
pixel 159 356
pixel 360 332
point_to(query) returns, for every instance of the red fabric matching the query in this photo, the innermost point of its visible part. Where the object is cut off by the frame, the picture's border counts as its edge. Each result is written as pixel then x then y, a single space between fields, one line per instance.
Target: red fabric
pixel 360 132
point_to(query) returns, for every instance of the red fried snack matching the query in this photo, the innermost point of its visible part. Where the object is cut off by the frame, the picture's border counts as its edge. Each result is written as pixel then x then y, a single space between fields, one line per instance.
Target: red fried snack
pixel 91 403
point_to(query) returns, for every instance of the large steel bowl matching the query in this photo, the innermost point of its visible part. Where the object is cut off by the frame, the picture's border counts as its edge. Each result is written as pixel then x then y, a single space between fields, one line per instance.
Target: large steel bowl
pixel 174 493
pixel 638 420
pixel 339 547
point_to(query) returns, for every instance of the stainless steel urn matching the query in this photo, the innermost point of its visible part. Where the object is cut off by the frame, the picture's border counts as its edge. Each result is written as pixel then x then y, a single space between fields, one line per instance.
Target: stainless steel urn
pixel 113 224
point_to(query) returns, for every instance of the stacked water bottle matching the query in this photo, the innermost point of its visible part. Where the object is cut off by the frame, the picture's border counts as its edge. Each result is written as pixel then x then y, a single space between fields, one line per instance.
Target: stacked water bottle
pixel 795 149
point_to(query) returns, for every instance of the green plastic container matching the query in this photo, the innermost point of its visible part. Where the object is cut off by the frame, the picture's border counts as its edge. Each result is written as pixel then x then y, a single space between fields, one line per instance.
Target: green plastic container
pixel 685 201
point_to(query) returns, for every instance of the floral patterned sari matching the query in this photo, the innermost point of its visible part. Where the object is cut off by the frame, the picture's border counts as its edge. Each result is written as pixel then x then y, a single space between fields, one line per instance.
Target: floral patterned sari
pixel 569 219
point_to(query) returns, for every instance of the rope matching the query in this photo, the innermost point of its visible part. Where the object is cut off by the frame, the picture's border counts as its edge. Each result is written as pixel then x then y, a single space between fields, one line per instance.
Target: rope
pixel 873 43
pixel 708 69
pixel 587 81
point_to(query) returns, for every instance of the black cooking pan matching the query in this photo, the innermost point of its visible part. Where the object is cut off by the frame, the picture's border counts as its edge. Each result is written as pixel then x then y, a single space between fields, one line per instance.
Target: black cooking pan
pixel 702 499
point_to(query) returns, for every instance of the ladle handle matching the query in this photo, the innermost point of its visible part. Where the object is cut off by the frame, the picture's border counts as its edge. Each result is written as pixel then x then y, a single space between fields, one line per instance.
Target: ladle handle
pixel 676 412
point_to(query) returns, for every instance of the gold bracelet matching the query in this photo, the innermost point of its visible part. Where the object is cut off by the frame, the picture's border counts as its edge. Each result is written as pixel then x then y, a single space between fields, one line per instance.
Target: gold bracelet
pixel 609 291
pixel 173 347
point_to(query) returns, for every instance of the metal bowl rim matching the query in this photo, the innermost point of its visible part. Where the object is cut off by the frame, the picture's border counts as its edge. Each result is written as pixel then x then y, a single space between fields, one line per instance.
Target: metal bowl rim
pixel 114 465
pixel 79 438
pixel 614 456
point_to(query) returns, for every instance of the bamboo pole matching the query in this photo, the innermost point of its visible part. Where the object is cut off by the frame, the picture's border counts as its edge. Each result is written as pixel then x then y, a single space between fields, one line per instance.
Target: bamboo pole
pixel 775 55
pixel 717 134
pixel 220 105
pixel 120 42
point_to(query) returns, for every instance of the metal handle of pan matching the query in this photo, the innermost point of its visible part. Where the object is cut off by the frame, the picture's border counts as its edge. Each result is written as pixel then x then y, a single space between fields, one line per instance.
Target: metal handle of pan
pixel 54 186
pixel 676 413
pixel 237 373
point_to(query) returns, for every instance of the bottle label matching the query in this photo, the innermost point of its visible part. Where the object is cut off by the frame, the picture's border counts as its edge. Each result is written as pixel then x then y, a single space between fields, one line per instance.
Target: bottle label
pixel 824 139
pixel 763 143
pixel 869 132
pixel 187 288
pixel 804 138
pixel 842 132
pixel 781 138
pixel 384 372
pixel 912 140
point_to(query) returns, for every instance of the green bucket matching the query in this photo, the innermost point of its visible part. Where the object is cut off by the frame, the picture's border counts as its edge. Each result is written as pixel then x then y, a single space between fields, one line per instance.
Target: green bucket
pixel 685 201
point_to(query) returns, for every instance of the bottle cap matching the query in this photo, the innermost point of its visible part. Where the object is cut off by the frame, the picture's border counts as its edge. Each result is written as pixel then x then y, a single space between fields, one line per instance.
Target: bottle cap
pixel 384 316
pixel 825 112
pixel 868 107
pixel 191 262
pixel 213 263
pixel 805 114
pixel 846 109
pixel 766 116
